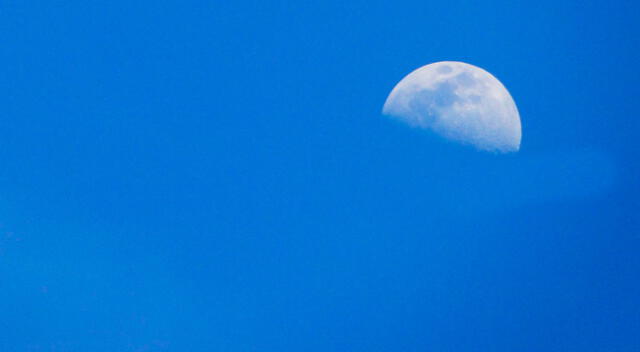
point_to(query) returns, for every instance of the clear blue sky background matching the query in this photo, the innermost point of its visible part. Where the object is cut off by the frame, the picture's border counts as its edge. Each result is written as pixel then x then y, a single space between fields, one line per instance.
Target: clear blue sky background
pixel 217 176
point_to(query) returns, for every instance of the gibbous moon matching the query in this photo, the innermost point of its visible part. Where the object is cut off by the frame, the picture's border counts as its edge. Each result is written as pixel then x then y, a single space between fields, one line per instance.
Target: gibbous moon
pixel 459 102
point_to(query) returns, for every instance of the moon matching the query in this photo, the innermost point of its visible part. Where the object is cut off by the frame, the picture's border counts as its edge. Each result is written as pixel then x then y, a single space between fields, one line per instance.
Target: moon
pixel 460 102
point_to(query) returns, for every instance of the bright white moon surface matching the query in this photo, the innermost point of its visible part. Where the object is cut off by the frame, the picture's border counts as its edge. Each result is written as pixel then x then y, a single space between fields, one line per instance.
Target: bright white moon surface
pixel 459 102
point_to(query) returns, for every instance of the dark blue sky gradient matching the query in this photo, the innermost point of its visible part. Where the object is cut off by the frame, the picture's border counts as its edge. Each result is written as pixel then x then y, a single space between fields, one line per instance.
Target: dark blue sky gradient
pixel 217 176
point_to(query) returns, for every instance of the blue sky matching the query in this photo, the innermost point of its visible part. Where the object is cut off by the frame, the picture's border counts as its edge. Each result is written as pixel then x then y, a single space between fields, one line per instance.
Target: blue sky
pixel 201 176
